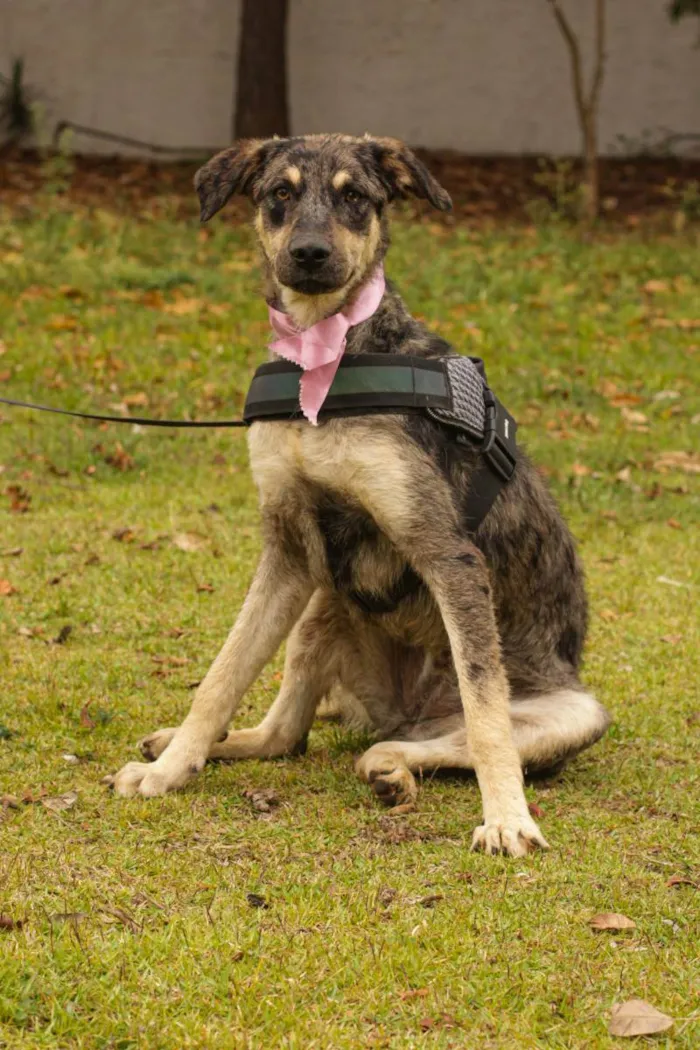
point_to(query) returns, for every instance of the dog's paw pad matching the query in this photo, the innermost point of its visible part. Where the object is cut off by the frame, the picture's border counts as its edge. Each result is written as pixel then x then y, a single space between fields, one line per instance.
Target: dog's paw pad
pixel 393 787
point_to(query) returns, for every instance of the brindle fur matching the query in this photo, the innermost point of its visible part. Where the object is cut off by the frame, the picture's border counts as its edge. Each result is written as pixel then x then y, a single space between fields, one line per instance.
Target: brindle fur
pixel 490 635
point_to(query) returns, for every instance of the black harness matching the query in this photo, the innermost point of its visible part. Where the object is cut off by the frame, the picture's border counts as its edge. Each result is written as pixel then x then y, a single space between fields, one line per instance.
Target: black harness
pixel 451 390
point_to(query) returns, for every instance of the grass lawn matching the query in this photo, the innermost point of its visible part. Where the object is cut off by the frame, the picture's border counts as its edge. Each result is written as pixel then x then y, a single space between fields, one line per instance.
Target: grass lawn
pixel 200 921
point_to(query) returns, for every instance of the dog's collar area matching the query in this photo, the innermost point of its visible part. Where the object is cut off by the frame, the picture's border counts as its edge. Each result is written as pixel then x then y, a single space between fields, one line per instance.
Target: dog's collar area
pixel 451 390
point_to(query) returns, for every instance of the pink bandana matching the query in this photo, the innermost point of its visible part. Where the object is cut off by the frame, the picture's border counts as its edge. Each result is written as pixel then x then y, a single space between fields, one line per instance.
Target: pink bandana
pixel 319 349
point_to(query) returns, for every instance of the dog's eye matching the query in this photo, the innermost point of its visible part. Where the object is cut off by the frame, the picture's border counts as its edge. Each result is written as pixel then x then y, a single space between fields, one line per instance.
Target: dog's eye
pixel 352 196
pixel 282 194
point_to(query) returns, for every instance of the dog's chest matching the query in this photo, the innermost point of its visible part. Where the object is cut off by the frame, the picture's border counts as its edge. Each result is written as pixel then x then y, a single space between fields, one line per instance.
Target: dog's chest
pixel 331 483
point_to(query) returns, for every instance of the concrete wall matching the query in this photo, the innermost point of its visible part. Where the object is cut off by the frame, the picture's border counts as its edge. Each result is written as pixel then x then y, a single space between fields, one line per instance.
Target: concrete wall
pixel 480 76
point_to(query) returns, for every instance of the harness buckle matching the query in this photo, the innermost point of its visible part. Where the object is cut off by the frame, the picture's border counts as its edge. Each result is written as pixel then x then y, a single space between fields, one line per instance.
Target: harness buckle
pixel 499 448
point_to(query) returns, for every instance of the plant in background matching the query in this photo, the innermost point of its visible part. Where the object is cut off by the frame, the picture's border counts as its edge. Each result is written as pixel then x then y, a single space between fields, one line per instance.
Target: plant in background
pixel 685 199
pixel 678 9
pixel 587 102
pixel 58 165
pixel 16 116
pixel 564 200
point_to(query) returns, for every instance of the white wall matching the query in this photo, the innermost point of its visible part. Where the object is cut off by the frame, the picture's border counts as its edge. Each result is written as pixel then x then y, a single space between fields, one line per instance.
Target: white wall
pixel 480 76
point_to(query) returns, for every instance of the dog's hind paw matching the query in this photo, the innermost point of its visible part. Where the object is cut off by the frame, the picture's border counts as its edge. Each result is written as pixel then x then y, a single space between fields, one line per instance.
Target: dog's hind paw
pixel 514 838
pixel 153 745
pixel 394 787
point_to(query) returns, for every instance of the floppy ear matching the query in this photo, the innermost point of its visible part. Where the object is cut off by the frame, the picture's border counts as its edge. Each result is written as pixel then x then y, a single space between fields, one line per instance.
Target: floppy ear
pixel 231 171
pixel 405 176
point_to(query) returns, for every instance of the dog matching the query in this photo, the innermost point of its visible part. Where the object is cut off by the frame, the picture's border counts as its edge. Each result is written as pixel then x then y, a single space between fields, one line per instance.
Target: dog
pixel 476 666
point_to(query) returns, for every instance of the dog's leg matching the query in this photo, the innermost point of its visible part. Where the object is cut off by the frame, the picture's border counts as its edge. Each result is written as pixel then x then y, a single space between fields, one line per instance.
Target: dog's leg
pixel 308 673
pixel 278 594
pixel 388 766
pixel 458 578
pixel 548 730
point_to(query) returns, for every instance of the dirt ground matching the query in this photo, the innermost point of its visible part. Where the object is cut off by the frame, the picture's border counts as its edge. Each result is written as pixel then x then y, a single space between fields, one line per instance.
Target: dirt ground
pixel 490 188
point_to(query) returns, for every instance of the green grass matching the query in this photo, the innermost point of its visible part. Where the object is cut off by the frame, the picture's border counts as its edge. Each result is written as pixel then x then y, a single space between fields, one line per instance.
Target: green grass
pixel 163 948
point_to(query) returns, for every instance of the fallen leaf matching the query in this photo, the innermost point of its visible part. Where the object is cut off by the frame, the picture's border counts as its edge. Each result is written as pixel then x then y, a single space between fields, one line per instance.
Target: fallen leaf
pixel 655 286
pixel 123 535
pixel 7 923
pixel 85 718
pixel 119 458
pixel 666 395
pixel 263 799
pixel 182 307
pixel 609 615
pixel 62 323
pixel 123 917
pixel 682 880
pixel 623 400
pixel 256 901
pixel 673 523
pixel 672 639
pixel 624 475
pixel 189 541
pixel 12 552
pixel 580 470
pixel 61 802
pixel 610 920
pixel 63 635
pixel 414 993
pixel 431 900
pixel 137 400
pixel 686 462
pixel 205 588
pixel 19 499
pixel 631 416
pixel 6 589
pixel 637 1017
pixel 535 810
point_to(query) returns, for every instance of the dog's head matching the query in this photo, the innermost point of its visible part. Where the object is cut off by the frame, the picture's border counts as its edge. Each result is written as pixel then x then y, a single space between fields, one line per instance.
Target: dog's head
pixel 320 203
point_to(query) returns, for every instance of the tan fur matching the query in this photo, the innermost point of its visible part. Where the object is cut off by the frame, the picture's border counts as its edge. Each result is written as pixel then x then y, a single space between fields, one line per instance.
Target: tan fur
pixel 340 179
pixel 294 175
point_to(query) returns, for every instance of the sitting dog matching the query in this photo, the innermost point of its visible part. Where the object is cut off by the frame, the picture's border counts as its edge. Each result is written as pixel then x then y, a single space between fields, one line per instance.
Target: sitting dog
pixel 467 654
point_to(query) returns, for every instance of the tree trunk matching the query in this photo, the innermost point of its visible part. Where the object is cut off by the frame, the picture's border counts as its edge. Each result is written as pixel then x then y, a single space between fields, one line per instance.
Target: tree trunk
pixel 590 185
pixel 261 82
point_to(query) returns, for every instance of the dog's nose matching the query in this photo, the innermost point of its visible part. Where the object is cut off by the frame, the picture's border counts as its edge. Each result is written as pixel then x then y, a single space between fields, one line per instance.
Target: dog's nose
pixel 310 253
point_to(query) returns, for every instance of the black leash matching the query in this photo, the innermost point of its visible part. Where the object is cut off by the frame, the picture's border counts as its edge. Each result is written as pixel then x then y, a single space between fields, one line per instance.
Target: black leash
pixel 126 419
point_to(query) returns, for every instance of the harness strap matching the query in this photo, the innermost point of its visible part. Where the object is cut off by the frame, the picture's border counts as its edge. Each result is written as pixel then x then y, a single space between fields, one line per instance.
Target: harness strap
pixel 363 382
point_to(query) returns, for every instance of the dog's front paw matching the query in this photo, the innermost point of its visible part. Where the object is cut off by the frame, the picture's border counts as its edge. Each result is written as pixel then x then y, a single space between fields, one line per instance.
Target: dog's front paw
pixel 149 780
pixel 514 837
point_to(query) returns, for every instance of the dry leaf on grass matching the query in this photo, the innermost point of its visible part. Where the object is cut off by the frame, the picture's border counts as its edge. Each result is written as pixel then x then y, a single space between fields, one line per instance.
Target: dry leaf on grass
pixel 262 799
pixel 8 923
pixel 86 720
pixel 182 307
pixel 61 802
pixel 686 462
pixel 414 993
pixel 682 880
pixel 6 589
pixel 189 541
pixel 256 901
pixel 637 1017
pixel 611 920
